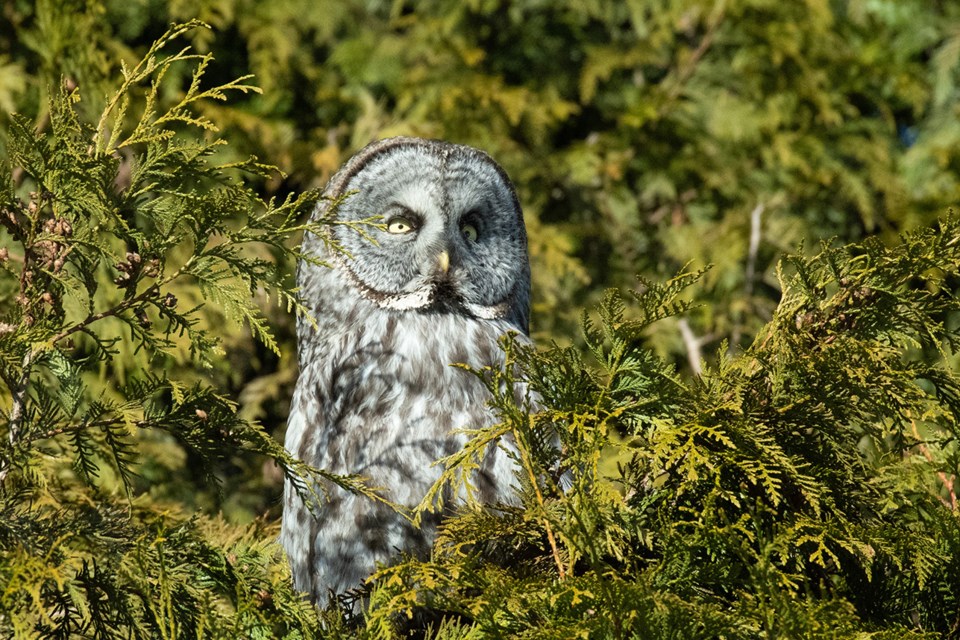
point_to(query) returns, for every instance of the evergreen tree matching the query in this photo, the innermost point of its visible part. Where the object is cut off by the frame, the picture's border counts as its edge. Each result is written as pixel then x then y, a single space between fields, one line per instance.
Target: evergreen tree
pixel 131 225
pixel 762 448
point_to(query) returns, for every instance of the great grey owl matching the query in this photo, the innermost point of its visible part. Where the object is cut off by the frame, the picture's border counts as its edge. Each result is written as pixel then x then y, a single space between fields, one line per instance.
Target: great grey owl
pixel 444 279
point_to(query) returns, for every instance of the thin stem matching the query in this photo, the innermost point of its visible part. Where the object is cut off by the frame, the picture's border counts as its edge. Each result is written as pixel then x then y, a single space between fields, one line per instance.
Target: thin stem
pixel 528 467
pixel 16 412
pixel 123 306
pixel 96 424
pixel 756 231
pixel 692 343
pixel 120 308
pixel 750 275
pixel 948 481
pixel 687 70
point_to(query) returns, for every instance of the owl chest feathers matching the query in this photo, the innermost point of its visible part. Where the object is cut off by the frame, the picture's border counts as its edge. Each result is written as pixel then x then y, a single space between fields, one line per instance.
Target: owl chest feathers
pixel 383 395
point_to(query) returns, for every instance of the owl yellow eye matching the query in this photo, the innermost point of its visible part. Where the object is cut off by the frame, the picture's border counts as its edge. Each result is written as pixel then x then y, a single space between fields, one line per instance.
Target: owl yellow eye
pixel 469 232
pixel 400 225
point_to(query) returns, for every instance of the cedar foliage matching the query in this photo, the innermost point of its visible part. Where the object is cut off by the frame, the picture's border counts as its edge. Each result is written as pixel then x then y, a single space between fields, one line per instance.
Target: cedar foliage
pixel 803 485
pixel 641 134
pixel 85 550
pixel 802 489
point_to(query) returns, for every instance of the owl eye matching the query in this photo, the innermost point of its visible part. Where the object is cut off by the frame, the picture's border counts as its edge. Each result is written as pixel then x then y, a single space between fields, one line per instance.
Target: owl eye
pixel 400 225
pixel 470 232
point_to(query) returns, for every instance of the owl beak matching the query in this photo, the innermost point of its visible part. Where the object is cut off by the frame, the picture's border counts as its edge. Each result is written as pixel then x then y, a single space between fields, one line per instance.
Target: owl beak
pixel 443 261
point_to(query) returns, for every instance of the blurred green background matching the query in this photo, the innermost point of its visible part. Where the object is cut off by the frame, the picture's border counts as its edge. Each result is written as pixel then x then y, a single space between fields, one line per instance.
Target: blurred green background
pixel 642 135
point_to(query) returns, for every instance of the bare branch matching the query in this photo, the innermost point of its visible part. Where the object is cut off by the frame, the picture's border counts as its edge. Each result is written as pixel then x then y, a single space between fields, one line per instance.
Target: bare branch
pixel 16 412
pixel 756 218
pixel 693 344
pixel 750 275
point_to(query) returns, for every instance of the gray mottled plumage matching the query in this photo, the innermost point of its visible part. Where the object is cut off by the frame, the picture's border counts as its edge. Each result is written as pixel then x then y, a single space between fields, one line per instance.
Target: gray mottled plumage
pixel 377 394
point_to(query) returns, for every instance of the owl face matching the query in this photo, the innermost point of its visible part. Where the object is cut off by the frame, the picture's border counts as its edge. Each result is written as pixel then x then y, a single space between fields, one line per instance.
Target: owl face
pixel 452 236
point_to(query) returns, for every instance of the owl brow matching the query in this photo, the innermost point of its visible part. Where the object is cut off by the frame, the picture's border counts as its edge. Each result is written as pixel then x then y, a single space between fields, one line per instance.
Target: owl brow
pixel 397 209
pixel 472 216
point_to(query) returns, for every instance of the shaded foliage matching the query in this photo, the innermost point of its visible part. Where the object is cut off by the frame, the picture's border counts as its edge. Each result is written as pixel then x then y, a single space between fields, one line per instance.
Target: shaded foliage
pixel 801 483
pixel 802 489
pixel 641 134
pixel 90 262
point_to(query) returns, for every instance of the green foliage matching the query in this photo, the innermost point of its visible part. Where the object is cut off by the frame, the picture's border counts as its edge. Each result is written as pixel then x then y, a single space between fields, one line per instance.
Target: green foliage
pixel 801 483
pixel 802 489
pixel 117 217
pixel 641 134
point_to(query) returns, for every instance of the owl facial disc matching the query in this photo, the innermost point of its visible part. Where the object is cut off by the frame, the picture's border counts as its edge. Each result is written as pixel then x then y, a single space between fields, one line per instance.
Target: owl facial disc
pixel 451 237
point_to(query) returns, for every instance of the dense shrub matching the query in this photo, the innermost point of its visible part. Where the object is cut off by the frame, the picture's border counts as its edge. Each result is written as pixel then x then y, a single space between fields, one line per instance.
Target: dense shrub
pixel 766 447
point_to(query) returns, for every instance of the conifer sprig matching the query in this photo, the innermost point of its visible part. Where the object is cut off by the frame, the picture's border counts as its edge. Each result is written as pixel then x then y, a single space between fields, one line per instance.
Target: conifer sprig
pixel 806 477
pixel 801 486
pixel 128 230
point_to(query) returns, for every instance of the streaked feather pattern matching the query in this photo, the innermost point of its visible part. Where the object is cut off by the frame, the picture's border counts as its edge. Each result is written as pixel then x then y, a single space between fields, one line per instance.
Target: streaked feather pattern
pixel 377 395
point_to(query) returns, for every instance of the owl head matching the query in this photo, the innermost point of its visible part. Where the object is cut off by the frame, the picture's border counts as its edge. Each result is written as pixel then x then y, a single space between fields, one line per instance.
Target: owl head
pixel 452 237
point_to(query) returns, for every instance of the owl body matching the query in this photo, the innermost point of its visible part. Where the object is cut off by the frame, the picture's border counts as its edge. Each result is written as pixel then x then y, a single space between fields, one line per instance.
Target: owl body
pixel 377 395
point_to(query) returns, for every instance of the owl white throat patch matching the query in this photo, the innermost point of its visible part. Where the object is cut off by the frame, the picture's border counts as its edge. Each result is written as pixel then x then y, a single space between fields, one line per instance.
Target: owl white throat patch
pixel 423 298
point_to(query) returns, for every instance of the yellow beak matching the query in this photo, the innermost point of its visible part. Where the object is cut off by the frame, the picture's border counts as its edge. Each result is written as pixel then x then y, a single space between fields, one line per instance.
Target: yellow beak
pixel 443 261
